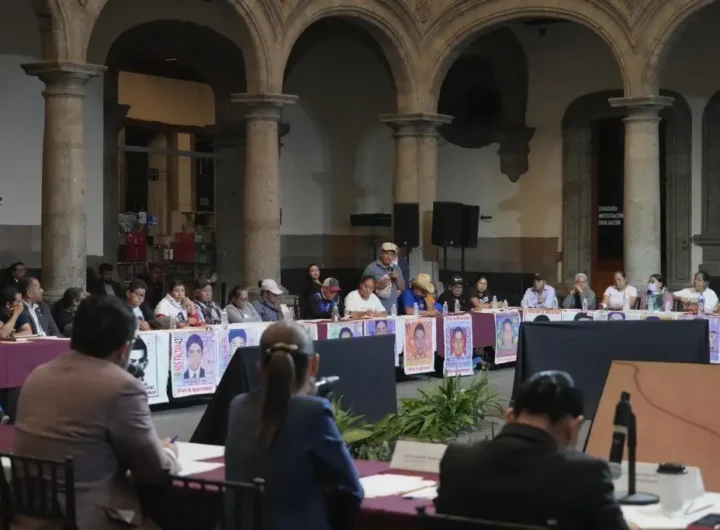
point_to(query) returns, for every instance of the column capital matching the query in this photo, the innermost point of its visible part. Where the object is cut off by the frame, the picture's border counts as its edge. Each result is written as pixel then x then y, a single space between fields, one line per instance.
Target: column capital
pixel 417 124
pixel 64 78
pixel 644 107
pixel 264 106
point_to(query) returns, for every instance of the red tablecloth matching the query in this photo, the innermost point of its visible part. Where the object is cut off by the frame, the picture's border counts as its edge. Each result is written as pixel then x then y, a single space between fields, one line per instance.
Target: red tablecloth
pixel 18 359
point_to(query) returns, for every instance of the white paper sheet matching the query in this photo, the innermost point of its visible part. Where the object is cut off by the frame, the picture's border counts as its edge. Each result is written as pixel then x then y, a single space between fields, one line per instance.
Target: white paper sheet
pixel 194 452
pixel 190 467
pixel 389 485
pixel 425 493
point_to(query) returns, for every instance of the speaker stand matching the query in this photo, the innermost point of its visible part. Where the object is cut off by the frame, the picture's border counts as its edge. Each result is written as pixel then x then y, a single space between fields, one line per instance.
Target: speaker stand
pixel 443 276
pixel 462 261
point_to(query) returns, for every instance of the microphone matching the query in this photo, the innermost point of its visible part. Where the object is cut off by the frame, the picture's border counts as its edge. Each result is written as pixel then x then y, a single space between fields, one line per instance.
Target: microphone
pixel 622 421
pixel 136 371
pixel 324 387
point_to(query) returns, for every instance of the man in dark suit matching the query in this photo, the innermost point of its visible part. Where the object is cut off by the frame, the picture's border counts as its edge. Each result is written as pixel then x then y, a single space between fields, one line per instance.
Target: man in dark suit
pixel 37 311
pixel 195 349
pixel 105 285
pixel 528 474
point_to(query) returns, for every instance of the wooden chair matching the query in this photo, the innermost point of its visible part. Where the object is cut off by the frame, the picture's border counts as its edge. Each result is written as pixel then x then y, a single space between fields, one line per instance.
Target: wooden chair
pixel 40 489
pixel 199 504
pixel 452 522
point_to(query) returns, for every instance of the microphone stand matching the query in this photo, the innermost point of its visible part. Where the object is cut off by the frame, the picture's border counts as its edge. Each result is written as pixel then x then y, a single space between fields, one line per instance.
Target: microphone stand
pixel 632 497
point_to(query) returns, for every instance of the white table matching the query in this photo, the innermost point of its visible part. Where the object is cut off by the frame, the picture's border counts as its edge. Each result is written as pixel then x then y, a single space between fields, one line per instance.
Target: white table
pixel 653 518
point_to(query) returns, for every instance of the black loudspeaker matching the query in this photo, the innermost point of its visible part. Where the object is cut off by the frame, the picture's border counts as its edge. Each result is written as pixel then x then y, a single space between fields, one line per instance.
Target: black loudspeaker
pixel 471 220
pixel 447 224
pixel 371 220
pixel 406 224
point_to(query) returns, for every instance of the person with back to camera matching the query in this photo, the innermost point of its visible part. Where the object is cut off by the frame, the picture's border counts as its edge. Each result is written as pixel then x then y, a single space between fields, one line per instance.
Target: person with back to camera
pixel 288 437
pixel 531 465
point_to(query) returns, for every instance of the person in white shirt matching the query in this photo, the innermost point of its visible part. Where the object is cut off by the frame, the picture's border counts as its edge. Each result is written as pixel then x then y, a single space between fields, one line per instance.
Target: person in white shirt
pixel 614 297
pixel 363 302
pixel 176 307
pixel 701 285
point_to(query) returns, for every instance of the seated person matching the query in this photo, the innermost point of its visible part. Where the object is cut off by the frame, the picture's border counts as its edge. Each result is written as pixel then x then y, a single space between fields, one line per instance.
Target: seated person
pixel 267 305
pixel 616 295
pixel 288 437
pixel 531 465
pixel 580 291
pixel 135 296
pixel 99 414
pixel 105 285
pixel 363 302
pixel 63 311
pixel 660 295
pixel 540 294
pixel 40 314
pixel 320 305
pixel 420 293
pixel 455 291
pixel 176 309
pixel 208 309
pixel 240 309
pixel 15 322
pixel 480 296
pixel 701 285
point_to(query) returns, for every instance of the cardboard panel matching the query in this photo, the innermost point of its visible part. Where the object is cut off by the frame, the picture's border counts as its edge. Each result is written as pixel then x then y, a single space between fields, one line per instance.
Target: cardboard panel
pixel 676 407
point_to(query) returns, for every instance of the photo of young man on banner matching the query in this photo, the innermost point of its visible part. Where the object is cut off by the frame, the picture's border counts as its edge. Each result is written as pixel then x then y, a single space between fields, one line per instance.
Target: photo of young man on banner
pixel 507 330
pixel 420 345
pixel 458 345
pixel 194 357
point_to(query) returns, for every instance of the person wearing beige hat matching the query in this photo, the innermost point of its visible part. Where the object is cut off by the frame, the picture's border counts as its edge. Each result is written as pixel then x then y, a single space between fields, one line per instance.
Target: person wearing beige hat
pixel 387 275
pixel 420 293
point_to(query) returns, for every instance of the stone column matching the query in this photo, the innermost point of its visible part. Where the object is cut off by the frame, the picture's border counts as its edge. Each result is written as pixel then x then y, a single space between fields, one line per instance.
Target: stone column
pixel 642 186
pixel 416 177
pixel 262 185
pixel 64 238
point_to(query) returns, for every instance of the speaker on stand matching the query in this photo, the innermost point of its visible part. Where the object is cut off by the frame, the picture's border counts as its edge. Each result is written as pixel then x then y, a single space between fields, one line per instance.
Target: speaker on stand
pixel 447 223
pixel 406 226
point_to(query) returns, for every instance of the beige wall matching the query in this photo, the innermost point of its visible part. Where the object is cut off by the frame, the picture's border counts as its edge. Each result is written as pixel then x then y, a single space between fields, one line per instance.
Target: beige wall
pixel 166 100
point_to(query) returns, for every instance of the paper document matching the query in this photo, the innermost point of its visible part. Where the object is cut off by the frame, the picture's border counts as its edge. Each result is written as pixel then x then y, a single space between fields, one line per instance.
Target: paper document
pixel 195 452
pixel 390 485
pixel 190 467
pixel 425 493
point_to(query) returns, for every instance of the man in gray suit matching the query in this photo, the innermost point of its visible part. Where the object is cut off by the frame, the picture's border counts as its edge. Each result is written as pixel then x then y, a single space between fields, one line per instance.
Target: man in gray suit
pixel 85 404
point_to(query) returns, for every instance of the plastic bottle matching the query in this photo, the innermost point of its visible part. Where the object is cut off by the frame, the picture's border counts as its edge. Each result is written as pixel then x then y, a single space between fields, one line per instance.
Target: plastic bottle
pixel 701 303
pixel 335 314
pixel 416 310
pixel 445 309
pixel 393 310
pixel 456 309
pixel 224 319
pixel 494 303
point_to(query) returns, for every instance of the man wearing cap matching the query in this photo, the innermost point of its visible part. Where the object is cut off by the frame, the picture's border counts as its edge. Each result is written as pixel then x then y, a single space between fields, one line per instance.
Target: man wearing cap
pixel 387 275
pixel 540 294
pixel 420 293
pixel 455 292
pixel 267 305
pixel 320 305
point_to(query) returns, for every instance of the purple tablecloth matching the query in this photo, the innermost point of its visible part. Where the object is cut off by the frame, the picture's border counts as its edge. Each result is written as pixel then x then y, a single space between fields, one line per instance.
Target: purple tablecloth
pixel 18 359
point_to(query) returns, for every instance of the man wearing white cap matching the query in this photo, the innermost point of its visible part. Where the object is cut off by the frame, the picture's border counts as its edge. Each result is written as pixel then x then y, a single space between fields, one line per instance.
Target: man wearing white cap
pixel 266 304
pixel 388 276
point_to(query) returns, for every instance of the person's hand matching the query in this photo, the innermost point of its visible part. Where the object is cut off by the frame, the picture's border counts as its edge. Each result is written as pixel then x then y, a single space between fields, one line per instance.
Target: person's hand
pixel 144 326
pixel 394 275
pixel 17 309
pixel 192 321
pixel 383 282
pixel 167 444
pixel 573 291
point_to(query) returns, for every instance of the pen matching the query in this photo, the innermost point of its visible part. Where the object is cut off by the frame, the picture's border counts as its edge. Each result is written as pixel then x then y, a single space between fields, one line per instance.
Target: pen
pixel 174 439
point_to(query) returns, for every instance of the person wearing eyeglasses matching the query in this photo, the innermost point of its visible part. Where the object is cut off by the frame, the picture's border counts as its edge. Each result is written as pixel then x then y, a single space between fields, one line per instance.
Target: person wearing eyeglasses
pixel 240 310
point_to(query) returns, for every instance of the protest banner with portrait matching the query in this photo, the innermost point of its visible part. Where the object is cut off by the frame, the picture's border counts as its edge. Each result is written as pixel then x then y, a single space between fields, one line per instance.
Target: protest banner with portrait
pixel 345 330
pixel 536 314
pixel 420 345
pixel 151 352
pixel 507 330
pixel 193 356
pixel 458 345
pixel 386 326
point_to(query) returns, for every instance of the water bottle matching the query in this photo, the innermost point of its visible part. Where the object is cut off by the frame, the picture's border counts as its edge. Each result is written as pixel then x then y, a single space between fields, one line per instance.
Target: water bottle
pixel 701 303
pixel 494 303
pixel 416 309
pixel 555 303
pixel 668 307
pixel 584 304
pixel 505 306
pixel 393 310
pixel 335 314
pixel 626 301
pixel 651 303
pixel 173 323
pixel 457 306
pixel 224 319
pixel 445 309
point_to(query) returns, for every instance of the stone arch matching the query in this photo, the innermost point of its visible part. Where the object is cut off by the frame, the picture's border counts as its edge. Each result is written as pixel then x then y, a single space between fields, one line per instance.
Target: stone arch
pixel 577 183
pixel 450 33
pixel 230 18
pixel 384 22
pixel 54 39
pixel 663 30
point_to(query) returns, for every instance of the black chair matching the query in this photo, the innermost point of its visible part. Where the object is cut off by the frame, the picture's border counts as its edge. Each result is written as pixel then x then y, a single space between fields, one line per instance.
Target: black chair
pixel 40 489
pixel 452 522
pixel 199 504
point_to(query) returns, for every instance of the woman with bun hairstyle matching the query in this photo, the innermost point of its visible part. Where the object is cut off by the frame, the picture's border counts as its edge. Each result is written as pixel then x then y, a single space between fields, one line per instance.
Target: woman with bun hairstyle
pixel 287 436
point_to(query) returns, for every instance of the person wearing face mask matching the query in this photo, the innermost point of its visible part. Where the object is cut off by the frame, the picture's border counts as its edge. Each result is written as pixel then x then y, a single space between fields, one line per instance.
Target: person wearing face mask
pixel 658 293
pixel 99 414
pixel 532 463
